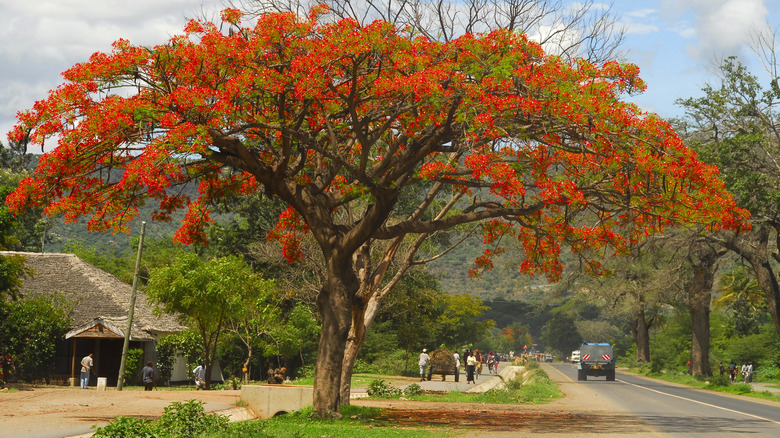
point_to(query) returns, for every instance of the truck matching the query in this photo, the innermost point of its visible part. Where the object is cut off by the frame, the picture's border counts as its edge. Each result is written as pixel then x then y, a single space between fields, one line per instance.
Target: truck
pixel 575 356
pixel 596 359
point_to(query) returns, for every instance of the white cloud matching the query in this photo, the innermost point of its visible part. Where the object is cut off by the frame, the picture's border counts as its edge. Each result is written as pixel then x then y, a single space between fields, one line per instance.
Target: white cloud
pixel 719 27
pixel 41 38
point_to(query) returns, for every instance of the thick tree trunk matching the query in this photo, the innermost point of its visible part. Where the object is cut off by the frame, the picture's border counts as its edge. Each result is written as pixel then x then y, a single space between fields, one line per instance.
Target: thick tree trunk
pixel 699 291
pixel 335 304
pixel 641 331
pixel 754 247
pixel 355 340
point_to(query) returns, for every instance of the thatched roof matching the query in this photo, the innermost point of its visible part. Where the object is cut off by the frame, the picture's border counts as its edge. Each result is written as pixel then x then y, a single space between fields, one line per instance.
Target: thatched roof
pixel 98 297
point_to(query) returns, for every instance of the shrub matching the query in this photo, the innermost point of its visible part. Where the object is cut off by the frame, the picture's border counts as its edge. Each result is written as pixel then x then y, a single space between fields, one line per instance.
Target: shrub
pixel 380 388
pixel 133 365
pixel 179 420
pixel 412 390
pixel 126 427
pixel 719 380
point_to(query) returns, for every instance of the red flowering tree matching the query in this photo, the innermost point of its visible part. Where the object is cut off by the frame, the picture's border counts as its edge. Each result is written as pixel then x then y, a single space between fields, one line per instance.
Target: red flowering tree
pixel 342 122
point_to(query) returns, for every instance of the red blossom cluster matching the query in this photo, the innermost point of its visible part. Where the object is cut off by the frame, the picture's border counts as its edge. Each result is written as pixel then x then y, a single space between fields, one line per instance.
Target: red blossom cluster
pixel 325 115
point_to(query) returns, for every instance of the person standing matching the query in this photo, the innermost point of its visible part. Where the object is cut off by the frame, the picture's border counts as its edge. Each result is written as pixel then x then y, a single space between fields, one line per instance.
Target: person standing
pixel 749 372
pixel 471 365
pixel 721 368
pixel 478 368
pixel 457 362
pixel 147 375
pixel 496 359
pixel 200 376
pixel 86 368
pixel 424 359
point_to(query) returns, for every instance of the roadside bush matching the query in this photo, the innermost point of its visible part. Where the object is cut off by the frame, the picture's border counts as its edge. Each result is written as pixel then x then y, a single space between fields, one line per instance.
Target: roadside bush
pixel 133 366
pixel 179 420
pixel 719 380
pixel 766 370
pixel 380 388
pixel 412 390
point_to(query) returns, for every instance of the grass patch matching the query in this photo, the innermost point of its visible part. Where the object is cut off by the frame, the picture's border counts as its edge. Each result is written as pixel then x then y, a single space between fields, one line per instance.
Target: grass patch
pixel 358 380
pixel 356 421
pixel 714 383
pixel 534 387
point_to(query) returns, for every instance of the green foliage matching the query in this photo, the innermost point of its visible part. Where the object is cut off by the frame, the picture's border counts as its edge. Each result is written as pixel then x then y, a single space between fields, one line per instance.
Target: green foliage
pixel 458 321
pixel 29 330
pixel 122 427
pixel 133 365
pixel 560 334
pixel 204 294
pixel 11 270
pixel 188 419
pixel 356 421
pixel 186 344
pixel 381 388
pixel 179 420
pixel 718 380
pixel 413 390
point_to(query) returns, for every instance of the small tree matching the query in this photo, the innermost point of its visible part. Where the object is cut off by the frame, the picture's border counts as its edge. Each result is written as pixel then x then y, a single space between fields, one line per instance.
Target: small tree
pixel 203 295
pixel 29 331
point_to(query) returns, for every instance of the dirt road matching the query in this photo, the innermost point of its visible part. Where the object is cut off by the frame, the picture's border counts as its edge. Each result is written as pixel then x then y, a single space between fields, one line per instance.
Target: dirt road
pixel 56 412
pixel 38 412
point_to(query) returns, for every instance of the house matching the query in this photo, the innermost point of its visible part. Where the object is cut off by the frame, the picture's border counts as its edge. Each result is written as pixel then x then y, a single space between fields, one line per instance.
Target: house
pixel 100 305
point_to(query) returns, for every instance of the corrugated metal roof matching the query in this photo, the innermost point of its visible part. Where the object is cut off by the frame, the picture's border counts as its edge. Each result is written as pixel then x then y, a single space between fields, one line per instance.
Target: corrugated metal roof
pixel 94 293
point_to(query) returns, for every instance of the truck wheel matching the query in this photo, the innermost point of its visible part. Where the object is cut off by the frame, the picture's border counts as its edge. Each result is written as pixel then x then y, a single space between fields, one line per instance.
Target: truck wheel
pixel 457 374
pixel 611 375
pixel 581 375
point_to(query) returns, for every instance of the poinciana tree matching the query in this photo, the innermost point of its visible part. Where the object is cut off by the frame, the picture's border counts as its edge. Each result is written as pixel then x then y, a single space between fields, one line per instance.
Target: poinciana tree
pixel 340 122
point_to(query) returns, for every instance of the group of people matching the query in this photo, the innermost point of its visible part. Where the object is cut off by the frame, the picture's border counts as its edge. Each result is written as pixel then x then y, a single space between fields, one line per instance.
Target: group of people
pixel 474 363
pixel 746 371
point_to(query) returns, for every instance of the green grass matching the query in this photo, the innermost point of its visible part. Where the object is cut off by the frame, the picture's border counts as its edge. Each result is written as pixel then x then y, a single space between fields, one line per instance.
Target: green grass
pixel 538 389
pixel 714 383
pixel 358 380
pixel 356 421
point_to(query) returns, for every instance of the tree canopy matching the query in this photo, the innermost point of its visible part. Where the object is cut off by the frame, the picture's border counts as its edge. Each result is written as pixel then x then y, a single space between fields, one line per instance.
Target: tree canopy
pixel 339 121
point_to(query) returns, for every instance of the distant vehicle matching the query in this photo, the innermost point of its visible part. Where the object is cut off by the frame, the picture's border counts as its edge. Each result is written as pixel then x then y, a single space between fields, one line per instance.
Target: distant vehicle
pixel 596 359
pixel 575 356
pixel 548 357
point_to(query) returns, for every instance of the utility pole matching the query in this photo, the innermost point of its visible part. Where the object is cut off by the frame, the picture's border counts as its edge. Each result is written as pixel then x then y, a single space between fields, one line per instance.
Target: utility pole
pixel 120 382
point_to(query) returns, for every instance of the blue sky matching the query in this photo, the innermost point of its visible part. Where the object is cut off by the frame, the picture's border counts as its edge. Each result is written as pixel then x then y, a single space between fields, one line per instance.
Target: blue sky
pixel 675 43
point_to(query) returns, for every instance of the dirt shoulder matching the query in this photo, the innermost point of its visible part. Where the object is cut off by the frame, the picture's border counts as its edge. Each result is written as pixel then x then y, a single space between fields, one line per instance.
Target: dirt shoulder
pixel 49 412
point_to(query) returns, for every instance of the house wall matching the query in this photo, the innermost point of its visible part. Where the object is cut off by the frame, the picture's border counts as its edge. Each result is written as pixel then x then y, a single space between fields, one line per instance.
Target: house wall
pixel 182 375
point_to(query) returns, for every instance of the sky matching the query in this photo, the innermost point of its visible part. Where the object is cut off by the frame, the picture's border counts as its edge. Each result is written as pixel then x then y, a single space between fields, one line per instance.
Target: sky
pixel 675 43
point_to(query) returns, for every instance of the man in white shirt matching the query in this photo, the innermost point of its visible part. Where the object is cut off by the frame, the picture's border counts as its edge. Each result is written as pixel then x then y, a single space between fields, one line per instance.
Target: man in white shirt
pixel 200 376
pixel 424 359
pixel 86 367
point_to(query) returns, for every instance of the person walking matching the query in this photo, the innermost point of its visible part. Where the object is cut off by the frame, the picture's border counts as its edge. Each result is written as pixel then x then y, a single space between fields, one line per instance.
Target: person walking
pixel 732 371
pixel 424 359
pixel 87 364
pixel 147 375
pixel 749 372
pixel 496 360
pixel 457 362
pixel 721 368
pixel 200 376
pixel 478 368
pixel 471 364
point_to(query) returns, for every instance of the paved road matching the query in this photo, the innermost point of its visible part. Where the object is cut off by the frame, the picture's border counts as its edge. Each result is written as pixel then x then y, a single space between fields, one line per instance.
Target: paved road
pixel 674 410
